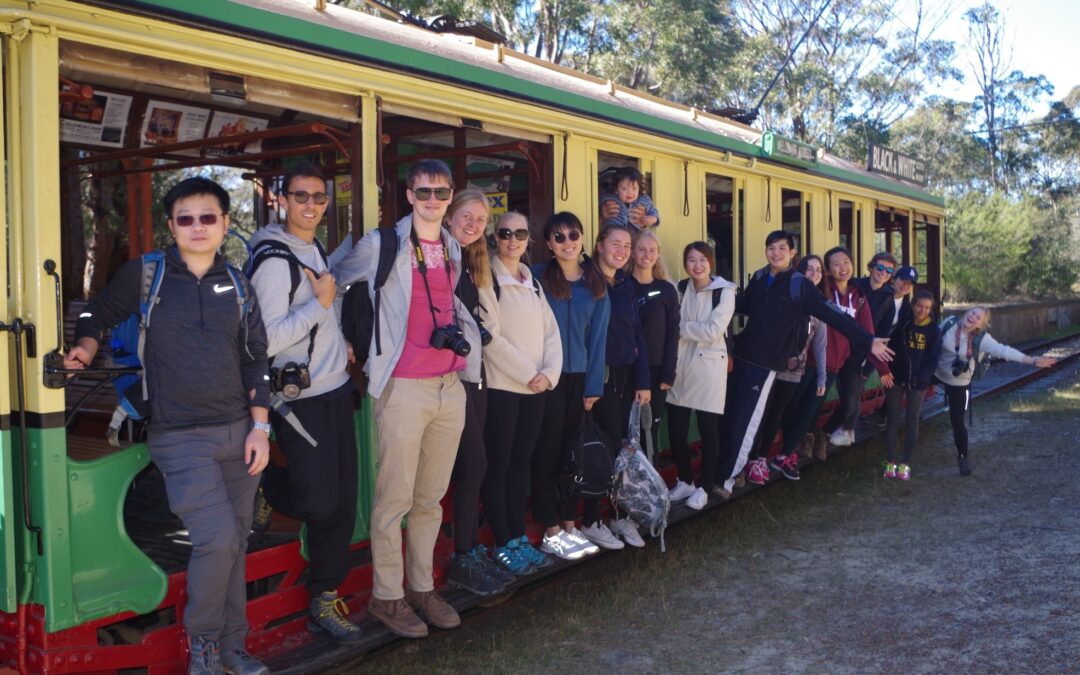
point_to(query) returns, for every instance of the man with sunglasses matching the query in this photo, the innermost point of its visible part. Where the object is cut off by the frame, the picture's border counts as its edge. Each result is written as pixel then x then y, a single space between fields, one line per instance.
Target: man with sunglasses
pixel 308 358
pixel 204 366
pixel 421 335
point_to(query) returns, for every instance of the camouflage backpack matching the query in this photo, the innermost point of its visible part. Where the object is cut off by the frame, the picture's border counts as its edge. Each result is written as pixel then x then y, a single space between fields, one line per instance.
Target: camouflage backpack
pixel 639 490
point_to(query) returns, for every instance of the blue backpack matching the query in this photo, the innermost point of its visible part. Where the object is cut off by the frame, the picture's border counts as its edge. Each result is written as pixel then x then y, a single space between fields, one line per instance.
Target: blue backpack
pixel 128 343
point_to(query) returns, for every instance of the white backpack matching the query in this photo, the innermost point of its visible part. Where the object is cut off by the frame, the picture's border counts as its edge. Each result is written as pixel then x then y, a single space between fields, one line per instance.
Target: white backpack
pixel 639 491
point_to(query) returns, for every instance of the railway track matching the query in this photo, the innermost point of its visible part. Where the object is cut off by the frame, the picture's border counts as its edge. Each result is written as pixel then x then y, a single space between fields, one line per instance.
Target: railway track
pixel 322 655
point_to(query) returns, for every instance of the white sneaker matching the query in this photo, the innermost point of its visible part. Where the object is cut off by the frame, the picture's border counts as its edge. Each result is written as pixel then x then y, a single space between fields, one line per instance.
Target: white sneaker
pixel 584 545
pixel 680 492
pixel 851 437
pixel 841 437
pixel 599 534
pixel 561 546
pixel 698 499
pixel 626 530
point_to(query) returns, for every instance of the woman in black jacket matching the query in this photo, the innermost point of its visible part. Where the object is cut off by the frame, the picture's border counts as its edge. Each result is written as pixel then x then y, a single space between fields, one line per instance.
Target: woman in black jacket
pixel 917 344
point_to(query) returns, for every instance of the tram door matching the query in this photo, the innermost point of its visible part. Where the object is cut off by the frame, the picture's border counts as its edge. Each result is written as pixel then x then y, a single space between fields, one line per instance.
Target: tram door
pixel 721 225
pixel 891 233
pixel 8 517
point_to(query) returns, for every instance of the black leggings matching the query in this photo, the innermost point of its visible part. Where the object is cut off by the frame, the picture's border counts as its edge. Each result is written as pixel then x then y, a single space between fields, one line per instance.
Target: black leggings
pixel 612 414
pixel 779 398
pixel 802 413
pixel 849 388
pixel 469 469
pixel 912 413
pixel 513 424
pixel 959 398
pixel 564 410
pixel 658 403
pixel 679 430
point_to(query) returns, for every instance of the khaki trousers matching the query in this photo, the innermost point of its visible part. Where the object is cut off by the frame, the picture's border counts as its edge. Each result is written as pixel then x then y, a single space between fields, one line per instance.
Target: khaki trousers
pixel 420 423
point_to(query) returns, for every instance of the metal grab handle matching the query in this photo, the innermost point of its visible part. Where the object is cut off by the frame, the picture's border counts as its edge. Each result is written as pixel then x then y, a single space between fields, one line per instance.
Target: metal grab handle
pixel 50 269
pixel 17 327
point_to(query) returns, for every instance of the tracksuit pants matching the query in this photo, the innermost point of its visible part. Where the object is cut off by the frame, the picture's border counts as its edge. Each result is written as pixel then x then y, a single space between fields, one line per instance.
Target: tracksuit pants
pixel 747 395
pixel 959 399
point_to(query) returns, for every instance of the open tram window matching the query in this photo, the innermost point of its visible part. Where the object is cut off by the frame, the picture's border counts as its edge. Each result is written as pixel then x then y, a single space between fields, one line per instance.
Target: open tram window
pixel 719 222
pixel 792 216
pixel 608 169
pixel 847 224
pixel 927 253
pixel 891 233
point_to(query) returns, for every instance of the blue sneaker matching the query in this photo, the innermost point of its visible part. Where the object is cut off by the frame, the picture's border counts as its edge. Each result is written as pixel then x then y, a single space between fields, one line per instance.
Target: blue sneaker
pixel 480 554
pixel 511 558
pixel 536 557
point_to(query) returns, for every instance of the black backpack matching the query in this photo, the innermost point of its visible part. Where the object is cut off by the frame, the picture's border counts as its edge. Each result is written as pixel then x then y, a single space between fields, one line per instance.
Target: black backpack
pixel 587 465
pixel 359 317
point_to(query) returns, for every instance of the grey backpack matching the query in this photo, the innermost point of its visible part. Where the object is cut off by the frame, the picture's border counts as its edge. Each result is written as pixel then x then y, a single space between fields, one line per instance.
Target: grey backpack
pixel 639 491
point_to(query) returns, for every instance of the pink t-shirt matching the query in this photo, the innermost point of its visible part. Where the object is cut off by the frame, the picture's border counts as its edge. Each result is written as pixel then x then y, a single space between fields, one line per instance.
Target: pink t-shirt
pixel 419 360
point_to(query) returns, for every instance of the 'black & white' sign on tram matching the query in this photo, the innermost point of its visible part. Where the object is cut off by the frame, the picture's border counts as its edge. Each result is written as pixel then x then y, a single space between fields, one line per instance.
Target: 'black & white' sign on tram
pixel 896 164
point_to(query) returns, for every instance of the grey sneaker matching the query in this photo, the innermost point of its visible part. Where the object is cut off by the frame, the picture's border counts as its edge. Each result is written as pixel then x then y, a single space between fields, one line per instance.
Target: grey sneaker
pixel 493 568
pixel 239 662
pixel 599 534
pixel 327 615
pixel 562 546
pixel 205 657
pixel 468 573
pixel 626 529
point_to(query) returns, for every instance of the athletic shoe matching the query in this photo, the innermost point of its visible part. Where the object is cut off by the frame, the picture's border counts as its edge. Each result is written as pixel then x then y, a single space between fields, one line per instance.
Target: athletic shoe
pixel 513 560
pixel 903 472
pixel 494 569
pixel 680 492
pixel 890 471
pixel 239 662
pixel 582 542
pixel 205 657
pixel 965 467
pixel 787 465
pixel 327 615
pixel 698 500
pixel 626 529
pixel 599 534
pixel 468 573
pixel 759 472
pixel 562 546
pixel 539 559
pixel 842 437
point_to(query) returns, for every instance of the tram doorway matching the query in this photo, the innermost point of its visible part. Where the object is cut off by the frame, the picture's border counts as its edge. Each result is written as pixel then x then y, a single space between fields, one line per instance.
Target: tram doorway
pixel 722 224
pixel 891 233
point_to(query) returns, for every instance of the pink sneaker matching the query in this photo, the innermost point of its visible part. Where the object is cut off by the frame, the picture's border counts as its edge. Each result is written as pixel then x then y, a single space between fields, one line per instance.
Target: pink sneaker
pixel 903 472
pixel 890 471
pixel 759 472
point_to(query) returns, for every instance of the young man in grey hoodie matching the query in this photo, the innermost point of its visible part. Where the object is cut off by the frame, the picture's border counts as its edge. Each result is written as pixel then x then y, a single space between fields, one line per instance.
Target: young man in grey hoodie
pixel 319 487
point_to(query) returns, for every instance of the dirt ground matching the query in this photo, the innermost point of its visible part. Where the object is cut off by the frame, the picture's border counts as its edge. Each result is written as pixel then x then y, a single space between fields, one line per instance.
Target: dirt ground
pixel 841 572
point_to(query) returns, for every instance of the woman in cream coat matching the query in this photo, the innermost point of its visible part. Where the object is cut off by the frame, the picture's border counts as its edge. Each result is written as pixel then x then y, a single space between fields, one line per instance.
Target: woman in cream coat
pixel 523 361
pixel 701 371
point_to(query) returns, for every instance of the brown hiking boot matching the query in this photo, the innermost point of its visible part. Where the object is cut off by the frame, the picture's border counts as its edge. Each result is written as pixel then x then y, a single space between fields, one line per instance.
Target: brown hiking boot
pixel 433 609
pixel 821 446
pixel 398 617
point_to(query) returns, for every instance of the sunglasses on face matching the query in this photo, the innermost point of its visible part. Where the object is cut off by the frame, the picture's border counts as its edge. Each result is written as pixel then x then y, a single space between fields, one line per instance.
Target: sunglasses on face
pixel 560 237
pixel 882 268
pixel 203 218
pixel 505 233
pixel 441 193
pixel 301 196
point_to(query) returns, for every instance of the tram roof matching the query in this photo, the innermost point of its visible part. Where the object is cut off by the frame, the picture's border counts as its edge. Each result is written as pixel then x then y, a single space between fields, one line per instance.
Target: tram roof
pixel 360 37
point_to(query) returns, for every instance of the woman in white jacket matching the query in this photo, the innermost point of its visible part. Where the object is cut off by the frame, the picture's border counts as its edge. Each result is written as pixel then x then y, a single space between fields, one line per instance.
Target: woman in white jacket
pixel 700 385
pixel 523 361
pixel 963 343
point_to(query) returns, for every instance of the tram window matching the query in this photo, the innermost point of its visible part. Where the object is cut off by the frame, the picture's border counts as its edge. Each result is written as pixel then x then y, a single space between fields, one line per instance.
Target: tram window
pixel 608 163
pixel 847 224
pixel 719 221
pixel 891 233
pixel 792 221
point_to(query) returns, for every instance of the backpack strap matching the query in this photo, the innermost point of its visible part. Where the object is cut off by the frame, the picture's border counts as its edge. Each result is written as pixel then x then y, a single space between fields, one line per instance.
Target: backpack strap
pixel 388 250
pixel 153 273
pixel 243 300
pixel 273 248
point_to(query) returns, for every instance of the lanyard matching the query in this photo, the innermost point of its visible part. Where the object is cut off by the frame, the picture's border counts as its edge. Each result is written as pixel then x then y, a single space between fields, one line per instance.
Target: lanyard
pixel 422 267
pixel 957 345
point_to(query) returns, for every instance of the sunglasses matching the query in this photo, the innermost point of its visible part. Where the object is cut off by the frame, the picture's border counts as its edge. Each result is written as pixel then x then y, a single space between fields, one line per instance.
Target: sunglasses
pixel 882 268
pixel 560 237
pixel 203 218
pixel 301 196
pixel 505 233
pixel 424 194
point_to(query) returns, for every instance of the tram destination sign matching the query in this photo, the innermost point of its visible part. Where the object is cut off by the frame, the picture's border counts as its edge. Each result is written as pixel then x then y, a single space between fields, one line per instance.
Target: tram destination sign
pixel 896 164
pixel 782 148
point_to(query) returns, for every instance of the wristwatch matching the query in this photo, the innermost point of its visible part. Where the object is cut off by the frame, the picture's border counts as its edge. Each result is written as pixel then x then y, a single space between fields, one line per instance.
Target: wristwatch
pixel 262 426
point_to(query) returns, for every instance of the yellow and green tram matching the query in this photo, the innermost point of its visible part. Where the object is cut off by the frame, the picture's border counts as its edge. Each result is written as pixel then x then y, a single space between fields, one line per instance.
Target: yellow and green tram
pixel 102 98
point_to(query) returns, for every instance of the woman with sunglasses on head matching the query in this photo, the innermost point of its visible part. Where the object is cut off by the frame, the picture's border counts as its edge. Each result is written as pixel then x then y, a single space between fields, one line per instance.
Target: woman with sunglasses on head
pixel 524 360
pixel 658 308
pixel 471 569
pixel 578 295
pixel 964 342
pixel 627 361
pixel 701 376
pixel 850 299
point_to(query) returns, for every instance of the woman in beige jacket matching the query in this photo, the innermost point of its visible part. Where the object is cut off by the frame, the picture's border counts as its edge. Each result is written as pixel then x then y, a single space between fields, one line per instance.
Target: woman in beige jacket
pixel 523 361
pixel 707 305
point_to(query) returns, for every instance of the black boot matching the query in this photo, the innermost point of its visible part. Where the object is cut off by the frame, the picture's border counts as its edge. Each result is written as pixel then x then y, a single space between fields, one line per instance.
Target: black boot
pixel 962 462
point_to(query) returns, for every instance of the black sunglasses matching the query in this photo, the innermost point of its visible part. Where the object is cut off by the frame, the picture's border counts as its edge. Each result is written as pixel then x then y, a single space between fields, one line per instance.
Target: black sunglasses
pixel 204 219
pixel 301 196
pixel 441 193
pixel 560 237
pixel 882 268
pixel 505 233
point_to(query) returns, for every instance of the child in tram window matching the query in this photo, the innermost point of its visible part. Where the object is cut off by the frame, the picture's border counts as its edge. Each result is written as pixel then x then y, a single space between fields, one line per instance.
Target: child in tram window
pixel 917 343
pixel 629 206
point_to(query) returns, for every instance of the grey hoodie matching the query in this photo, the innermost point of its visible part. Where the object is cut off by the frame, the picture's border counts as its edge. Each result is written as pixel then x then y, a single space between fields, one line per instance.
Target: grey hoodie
pixel 288 326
